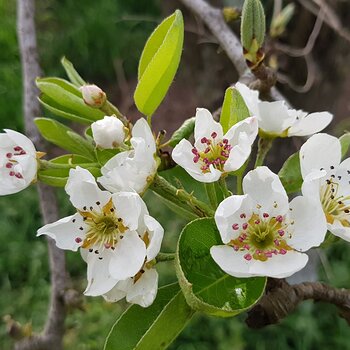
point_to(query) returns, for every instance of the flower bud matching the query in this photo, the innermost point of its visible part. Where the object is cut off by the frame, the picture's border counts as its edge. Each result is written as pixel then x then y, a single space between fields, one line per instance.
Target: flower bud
pixel 108 132
pixel 93 96
pixel 279 22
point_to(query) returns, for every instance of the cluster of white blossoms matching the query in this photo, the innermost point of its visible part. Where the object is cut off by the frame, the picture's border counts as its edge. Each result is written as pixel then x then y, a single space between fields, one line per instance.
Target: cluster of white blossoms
pixel 263 234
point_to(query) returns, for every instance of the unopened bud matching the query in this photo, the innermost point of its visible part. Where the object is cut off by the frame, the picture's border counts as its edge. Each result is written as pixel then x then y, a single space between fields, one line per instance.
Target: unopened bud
pixel 93 96
pixel 108 132
pixel 279 23
pixel 253 30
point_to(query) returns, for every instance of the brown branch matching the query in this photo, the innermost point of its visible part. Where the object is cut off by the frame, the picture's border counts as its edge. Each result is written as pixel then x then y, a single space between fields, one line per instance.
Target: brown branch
pixel 51 337
pixel 281 299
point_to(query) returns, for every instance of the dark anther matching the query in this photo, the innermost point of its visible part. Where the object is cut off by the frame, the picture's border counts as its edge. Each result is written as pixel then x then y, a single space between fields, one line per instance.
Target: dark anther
pixel 81 228
pixel 84 208
pixel 96 251
pixel 98 203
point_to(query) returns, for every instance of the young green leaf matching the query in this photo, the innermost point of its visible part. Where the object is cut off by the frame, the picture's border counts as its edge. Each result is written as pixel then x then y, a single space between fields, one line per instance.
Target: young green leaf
pixel 64 137
pixel 206 287
pixel 68 98
pixel 233 109
pixel 73 75
pixel 290 174
pixel 345 144
pixel 183 132
pixel 158 63
pixel 154 327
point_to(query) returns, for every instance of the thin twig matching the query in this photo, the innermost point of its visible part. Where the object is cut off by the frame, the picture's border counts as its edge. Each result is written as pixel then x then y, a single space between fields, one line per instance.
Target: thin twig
pixel 52 335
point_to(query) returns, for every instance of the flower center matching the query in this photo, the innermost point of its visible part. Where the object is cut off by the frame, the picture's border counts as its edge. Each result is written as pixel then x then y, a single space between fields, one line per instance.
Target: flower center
pixel 261 237
pixel 104 227
pixel 216 153
pixel 335 205
pixel 11 162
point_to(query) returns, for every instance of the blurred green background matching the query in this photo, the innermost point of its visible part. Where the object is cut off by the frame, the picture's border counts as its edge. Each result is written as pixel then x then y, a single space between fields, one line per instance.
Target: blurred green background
pixel 97 36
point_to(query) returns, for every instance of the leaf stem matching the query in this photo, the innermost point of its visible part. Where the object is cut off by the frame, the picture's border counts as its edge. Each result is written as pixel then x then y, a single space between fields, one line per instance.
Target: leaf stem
pixel 46 164
pixel 211 194
pixel 165 257
pixel 264 145
pixel 223 187
pixel 239 187
pixel 180 197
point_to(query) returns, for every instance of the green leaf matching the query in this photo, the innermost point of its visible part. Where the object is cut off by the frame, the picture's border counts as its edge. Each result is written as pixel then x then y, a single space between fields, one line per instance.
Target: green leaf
pixel 233 109
pixel 345 144
pixel 104 155
pixel 64 137
pixel 68 96
pixel 73 75
pixel 206 287
pixel 57 110
pixel 290 174
pixel 154 327
pixel 183 132
pixel 158 63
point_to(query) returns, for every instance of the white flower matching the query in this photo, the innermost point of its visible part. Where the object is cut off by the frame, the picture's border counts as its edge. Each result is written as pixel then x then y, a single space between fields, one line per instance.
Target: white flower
pixel 327 181
pixel 110 229
pixel 93 96
pixel 132 170
pixel 18 162
pixel 275 119
pixel 142 288
pixel 264 235
pixel 214 153
pixel 108 132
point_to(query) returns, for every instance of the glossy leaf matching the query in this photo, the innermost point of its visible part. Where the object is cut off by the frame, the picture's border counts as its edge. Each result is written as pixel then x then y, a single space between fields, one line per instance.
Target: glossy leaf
pixel 345 144
pixel 158 63
pixel 64 137
pixel 183 132
pixel 290 174
pixel 154 327
pixel 73 75
pixel 233 109
pixel 206 287
pixel 68 96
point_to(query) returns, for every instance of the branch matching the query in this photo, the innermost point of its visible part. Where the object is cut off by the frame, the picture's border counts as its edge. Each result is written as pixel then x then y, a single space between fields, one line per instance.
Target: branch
pixel 281 299
pixel 51 337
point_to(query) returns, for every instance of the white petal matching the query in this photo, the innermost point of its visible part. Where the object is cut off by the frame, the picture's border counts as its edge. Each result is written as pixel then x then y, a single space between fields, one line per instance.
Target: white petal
pixel 131 208
pixel 22 141
pixel 128 257
pixel 279 266
pixel 238 155
pixel 319 151
pixel 99 278
pixel 232 210
pixel 141 129
pixel 66 232
pixel 310 226
pixel 156 233
pixel 250 97
pixel 274 117
pixel 205 125
pixel 144 291
pixel 248 126
pixel 118 292
pixel 311 124
pixel 339 230
pixel 312 184
pixel 266 189
pixel 83 190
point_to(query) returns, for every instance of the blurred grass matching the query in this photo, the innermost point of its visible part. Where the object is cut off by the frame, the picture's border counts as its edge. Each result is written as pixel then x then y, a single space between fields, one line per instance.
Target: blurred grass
pixel 93 35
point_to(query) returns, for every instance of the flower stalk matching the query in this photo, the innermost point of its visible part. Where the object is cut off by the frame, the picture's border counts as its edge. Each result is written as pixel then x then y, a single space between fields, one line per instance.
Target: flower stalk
pixel 211 193
pixel 264 146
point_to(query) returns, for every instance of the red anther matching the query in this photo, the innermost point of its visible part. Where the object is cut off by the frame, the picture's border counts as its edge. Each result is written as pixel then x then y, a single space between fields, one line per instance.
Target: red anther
pixel 281 232
pixel 19 176
pixel 236 248
pixel 242 216
pixel 248 257
pixel 9 155
pixel 12 173
pixel 207 150
pixel 225 141
pixel 196 159
pixel 257 222
pixel 277 242
pixel 194 151
pixel 213 134
pixel 17 148
pixel 282 251
pixel 268 254
pixel 21 153
pixel 235 227
pixel 204 140
pixel 107 246
pixel 246 246
pixel 266 215
pixel 245 226
pixel 78 240
pixel 279 218
pixel 9 165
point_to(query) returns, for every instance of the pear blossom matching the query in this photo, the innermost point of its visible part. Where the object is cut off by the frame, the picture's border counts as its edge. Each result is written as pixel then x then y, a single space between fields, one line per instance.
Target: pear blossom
pixel 277 120
pixel 263 234
pixel 93 96
pixel 132 170
pixel 327 181
pixel 18 162
pixel 214 153
pixel 142 288
pixel 108 132
pixel 110 230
